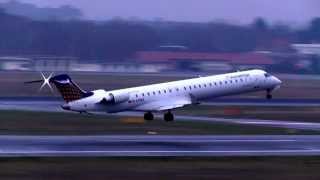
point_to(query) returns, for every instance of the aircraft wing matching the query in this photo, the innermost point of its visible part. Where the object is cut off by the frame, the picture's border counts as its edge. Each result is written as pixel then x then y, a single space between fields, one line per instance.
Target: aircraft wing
pixel 163 105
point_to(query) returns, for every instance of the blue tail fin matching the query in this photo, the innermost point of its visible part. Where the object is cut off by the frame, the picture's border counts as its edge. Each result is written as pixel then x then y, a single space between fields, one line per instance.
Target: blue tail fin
pixel 69 90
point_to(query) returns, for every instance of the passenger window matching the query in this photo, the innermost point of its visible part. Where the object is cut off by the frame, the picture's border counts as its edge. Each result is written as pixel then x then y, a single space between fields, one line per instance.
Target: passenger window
pixel 137 95
pixel 210 84
pixel 159 92
pixel 195 86
pixel 148 94
pixel 190 87
pixel 199 86
pixel 142 94
pixel 165 91
pixel 154 93
pixel 205 85
pixel 185 88
pixel 170 90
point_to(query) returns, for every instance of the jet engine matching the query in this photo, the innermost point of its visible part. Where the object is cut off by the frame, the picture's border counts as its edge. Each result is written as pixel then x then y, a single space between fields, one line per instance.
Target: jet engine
pixel 113 98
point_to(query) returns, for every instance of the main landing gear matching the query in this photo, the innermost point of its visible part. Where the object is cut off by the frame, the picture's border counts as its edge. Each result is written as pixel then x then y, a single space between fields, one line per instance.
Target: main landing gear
pixel 148 116
pixel 269 95
pixel 169 117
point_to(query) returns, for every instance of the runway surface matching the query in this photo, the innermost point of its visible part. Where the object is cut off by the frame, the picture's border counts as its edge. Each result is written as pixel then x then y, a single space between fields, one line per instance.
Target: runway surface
pixel 47 146
pixel 156 145
pixel 211 102
pixel 264 102
pixel 54 105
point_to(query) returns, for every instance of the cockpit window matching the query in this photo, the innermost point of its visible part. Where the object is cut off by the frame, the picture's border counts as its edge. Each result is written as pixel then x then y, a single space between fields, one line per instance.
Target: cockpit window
pixel 267 75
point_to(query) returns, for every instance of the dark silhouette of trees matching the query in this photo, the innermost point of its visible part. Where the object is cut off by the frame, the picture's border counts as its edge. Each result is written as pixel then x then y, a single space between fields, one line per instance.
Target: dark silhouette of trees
pixel 312 33
pixel 260 24
pixel 315 29
pixel 119 40
pixel 65 12
pixel 83 39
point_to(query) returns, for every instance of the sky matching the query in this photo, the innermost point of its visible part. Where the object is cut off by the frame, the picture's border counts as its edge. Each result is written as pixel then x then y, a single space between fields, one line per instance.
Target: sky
pixel 293 12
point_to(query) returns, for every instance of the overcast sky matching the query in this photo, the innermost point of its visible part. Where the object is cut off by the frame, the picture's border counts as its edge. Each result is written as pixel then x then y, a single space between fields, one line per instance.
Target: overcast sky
pixel 236 11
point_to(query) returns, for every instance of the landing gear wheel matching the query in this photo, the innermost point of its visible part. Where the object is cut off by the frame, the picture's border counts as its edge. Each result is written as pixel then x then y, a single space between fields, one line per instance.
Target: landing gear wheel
pixel 168 117
pixel 148 116
pixel 269 96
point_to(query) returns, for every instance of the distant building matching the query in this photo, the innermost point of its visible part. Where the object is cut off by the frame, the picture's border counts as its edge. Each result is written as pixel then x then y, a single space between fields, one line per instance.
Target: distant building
pixel 232 58
pixel 14 63
pixel 37 63
pixel 205 61
pixel 308 57
pixel 307 49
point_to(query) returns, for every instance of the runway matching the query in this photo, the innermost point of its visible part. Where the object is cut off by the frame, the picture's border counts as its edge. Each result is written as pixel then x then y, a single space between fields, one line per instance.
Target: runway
pixel 31 104
pixel 263 102
pixel 53 105
pixel 83 146
pixel 211 102
pixel 157 145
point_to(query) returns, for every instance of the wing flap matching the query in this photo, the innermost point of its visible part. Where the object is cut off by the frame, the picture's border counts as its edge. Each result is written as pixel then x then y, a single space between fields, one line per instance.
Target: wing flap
pixel 175 106
pixel 164 105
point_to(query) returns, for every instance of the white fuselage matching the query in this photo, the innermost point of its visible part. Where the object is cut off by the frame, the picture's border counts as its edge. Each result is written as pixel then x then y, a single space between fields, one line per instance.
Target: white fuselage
pixel 171 95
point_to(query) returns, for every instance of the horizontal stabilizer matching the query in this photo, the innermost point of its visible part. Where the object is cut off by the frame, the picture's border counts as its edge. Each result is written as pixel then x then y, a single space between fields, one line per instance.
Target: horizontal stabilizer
pixel 31 82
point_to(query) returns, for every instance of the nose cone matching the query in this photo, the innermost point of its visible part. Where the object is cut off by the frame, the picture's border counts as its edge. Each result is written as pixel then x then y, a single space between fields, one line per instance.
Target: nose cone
pixel 276 80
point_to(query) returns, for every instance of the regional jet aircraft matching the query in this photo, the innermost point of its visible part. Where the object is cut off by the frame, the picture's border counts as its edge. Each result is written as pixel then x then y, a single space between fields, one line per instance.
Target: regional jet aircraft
pixel 163 97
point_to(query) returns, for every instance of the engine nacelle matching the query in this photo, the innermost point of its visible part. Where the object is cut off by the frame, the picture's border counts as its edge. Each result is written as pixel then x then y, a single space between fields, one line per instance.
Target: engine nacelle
pixel 113 98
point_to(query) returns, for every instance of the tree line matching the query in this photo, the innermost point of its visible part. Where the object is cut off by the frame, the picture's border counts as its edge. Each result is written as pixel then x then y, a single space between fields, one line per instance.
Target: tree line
pixel 119 39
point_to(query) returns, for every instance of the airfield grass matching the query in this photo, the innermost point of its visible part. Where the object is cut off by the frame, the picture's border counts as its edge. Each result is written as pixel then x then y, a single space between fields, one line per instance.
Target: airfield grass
pixel 43 123
pixel 223 168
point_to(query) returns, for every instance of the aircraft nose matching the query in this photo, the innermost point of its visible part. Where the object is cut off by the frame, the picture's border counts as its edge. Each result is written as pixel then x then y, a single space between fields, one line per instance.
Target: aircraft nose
pixel 277 80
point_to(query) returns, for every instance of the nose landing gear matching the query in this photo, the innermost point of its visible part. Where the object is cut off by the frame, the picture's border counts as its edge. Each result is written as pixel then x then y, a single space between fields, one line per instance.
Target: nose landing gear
pixel 269 95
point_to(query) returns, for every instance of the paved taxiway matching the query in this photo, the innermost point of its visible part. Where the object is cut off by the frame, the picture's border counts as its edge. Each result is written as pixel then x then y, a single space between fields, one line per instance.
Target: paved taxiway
pixel 211 102
pixel 53 105
pixel 38 146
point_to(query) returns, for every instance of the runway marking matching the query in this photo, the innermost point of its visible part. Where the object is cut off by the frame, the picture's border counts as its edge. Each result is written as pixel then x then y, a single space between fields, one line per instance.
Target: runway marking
pixel 280 123
pixel 163 153
pixel 167 151
pixel 196 140
pixel 153 139
pixel 143 145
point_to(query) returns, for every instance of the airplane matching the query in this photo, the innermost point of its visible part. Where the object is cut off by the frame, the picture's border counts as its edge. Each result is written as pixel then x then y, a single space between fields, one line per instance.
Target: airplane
pixel 162 97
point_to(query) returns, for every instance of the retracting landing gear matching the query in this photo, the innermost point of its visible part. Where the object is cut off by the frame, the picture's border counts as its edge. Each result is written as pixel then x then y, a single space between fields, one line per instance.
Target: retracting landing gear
pixel 269 95
pixel 168 116
pixel 148 116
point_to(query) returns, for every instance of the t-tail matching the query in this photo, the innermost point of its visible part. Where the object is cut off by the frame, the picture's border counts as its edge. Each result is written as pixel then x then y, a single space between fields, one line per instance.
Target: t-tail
pixel 69 90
